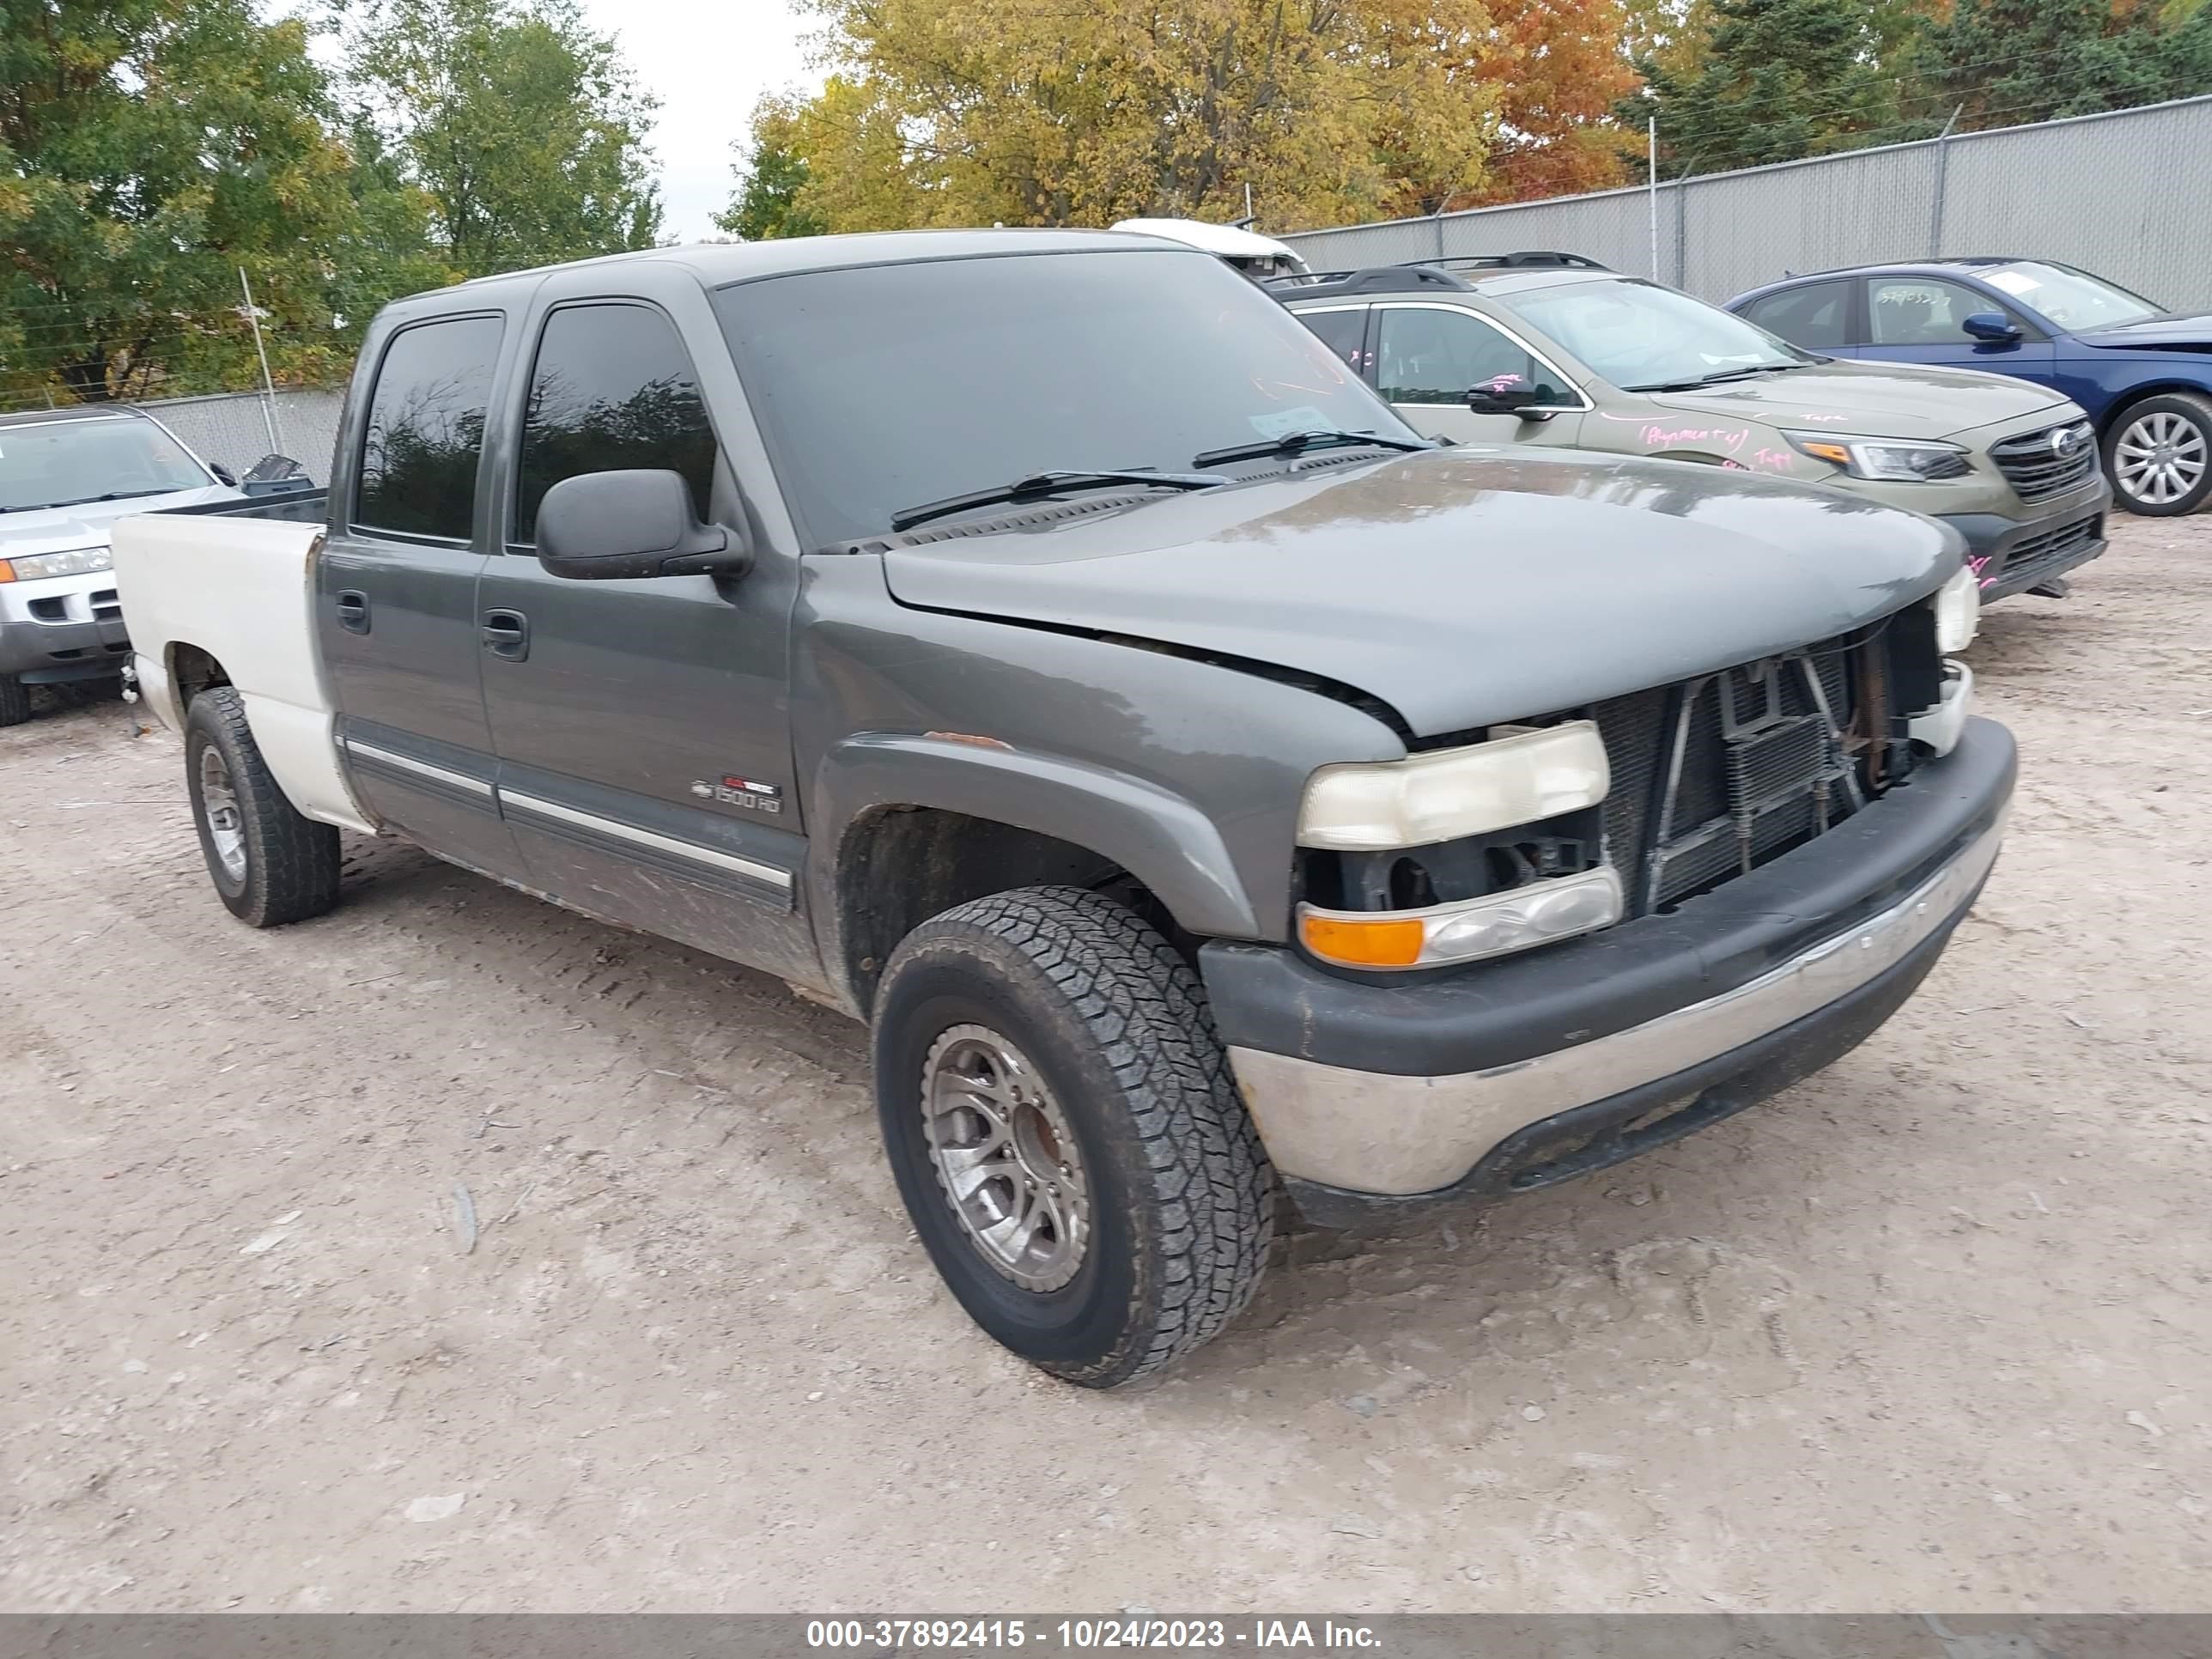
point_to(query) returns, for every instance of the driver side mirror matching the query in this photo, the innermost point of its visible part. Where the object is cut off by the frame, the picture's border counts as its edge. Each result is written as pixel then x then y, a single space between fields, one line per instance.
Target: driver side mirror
pixel 1521 400
pixel 1993 326
pixel 625 524
pixel 223 475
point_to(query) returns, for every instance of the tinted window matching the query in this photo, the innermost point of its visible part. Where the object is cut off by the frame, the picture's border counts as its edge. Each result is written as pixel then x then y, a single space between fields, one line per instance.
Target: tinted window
pixel 612 388
pixel 1343 332
pixel 426 419
pixel 1425 356
pixel 1817 316
pixel 1921 310
pixel 885 386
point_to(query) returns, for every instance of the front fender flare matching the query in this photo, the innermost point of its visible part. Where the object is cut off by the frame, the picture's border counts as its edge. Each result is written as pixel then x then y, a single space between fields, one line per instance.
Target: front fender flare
pixel 1159 837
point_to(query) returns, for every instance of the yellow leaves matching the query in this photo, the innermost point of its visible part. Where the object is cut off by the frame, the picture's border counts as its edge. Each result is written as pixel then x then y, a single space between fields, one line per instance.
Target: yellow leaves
pixel 1056 111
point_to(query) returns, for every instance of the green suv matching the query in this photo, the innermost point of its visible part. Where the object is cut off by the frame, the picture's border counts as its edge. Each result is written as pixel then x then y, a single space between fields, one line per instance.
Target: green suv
pixel 1550 349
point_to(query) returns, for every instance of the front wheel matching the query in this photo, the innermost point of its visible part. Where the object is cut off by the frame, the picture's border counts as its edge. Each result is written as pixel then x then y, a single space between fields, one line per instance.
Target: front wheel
pixel 1065 1133
pixel 270 866
pixel 14 700
pixel 2159 454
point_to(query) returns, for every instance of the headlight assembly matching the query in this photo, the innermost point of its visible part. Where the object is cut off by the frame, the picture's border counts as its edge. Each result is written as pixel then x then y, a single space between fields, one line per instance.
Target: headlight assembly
pixel 1888 459
pixel 1424 799
pixel 37 566
pixel 1958 611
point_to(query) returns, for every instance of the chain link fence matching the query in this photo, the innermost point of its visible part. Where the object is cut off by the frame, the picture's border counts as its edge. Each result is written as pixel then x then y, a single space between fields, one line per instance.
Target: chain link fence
pixel 2127 195
pixel 236 428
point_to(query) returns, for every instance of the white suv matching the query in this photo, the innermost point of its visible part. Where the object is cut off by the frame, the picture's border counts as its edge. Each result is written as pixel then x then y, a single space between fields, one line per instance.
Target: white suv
pixel 66 475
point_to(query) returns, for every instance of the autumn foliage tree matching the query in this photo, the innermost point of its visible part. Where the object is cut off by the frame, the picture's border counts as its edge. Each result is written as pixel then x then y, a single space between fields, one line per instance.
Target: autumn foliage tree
pixel 1044 112
pixel 1558 67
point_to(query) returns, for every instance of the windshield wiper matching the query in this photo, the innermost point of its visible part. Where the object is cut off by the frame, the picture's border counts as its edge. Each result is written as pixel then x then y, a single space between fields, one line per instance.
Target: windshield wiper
pixel 1295 443
pixel 1039 485
pixel 87 501
pixel 1717 376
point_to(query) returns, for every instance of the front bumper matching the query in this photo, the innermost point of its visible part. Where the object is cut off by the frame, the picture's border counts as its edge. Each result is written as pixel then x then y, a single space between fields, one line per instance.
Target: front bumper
pixel 2014 555
pixel 1376 1096
pixel 61 629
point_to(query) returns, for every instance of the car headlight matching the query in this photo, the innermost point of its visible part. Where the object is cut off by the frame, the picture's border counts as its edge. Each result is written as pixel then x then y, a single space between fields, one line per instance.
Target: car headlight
pixel 1885 458
pixel 1958 611
pixel 1424 799
pixel 1537 913
pixel 37 566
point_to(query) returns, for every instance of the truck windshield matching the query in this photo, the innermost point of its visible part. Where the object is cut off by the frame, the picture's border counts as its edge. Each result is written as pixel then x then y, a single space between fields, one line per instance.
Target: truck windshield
pixel 1642 336
pixel 880 386
pixel 67 463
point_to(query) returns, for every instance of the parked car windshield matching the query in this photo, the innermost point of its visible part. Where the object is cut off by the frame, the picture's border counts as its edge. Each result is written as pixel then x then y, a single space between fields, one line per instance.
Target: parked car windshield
pixel 1642 336
pixel 882 387
pixel 67 463
pixel 2070 298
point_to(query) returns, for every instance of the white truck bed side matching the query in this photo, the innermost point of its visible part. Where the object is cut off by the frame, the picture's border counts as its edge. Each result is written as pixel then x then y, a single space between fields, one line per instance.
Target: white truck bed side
pixel 242 591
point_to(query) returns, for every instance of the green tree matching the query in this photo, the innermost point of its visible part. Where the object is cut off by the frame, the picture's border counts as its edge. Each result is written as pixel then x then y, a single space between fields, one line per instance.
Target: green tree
pixel 2001 62
pixel 149 149
pixel 523 127
pixel 1779 79
pixel 1034 111
pixel 771 177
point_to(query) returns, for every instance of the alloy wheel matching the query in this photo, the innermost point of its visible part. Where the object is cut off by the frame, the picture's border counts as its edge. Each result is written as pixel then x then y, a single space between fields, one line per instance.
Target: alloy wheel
pixel 1006 1158
pixel 2160 458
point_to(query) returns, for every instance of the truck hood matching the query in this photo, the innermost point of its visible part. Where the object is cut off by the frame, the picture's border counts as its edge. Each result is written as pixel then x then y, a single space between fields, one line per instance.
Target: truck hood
pixel 1461 586
pixel 2155 334
pixel 87 523
pixel 1875 400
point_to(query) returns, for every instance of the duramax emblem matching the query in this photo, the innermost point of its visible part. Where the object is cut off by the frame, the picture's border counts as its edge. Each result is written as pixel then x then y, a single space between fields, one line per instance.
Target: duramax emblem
pixel 733 791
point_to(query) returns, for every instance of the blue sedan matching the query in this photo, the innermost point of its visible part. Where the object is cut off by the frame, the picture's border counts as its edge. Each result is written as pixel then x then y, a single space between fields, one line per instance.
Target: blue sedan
pixel 2144 374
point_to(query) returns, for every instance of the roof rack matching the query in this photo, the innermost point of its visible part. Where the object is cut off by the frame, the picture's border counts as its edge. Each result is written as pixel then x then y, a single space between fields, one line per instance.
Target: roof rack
pixel 1527 259
pixel 1373 279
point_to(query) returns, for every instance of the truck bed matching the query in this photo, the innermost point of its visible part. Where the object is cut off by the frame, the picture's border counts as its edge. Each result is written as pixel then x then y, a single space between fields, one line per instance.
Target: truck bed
pixel 232 584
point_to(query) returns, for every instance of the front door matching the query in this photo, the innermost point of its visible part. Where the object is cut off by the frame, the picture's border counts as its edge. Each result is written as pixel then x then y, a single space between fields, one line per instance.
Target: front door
pixel 1921 320
pixel 1429 356
pixel 641 726
pixel 395 599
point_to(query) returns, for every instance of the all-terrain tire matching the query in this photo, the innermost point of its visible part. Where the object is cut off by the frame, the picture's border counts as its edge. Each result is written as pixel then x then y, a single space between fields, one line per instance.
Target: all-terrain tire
pixel 280 867
pixel 2176 424
pixel 1180 1196
pixel 14 700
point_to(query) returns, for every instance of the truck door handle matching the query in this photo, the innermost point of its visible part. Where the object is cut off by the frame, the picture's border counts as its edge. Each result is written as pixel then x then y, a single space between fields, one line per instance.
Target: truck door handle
pixel 507 634
pixel 353 610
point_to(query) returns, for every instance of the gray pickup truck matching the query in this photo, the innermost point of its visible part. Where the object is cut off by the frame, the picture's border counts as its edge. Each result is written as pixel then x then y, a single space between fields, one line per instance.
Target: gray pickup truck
pixel 1041 646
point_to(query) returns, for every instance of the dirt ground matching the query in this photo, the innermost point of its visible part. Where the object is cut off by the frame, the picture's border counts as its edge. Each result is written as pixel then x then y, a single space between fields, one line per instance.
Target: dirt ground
pixel 1930 1331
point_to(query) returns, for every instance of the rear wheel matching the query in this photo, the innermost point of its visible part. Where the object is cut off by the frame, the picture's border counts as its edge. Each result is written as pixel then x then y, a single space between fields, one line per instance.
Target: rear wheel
pixel 1066 1134
pixel 2159 454
pixel 14 700
pixel 269 864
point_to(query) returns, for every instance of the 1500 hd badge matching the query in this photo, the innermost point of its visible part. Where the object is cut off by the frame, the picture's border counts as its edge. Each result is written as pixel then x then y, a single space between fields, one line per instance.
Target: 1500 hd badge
pixel 748 792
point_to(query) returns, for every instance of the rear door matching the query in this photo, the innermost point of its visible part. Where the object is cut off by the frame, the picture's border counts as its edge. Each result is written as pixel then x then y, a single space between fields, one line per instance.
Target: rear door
pixel 1427 356
pixel 395 603
pixel 1920 319
pixel 1821 316
pixel 641 726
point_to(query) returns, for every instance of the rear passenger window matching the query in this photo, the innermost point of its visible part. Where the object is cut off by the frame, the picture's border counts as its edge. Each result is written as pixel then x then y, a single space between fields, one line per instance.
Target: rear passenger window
pixel 1344 332
pixel 1817 316
pixel 425 435
pixel 613 388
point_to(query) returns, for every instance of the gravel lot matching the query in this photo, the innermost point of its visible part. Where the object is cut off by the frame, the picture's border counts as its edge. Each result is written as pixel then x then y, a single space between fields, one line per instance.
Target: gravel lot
pixel 1930 1331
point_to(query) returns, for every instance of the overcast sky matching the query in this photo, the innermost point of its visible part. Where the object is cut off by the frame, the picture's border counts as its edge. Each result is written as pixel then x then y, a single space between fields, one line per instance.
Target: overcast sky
pixel 708 64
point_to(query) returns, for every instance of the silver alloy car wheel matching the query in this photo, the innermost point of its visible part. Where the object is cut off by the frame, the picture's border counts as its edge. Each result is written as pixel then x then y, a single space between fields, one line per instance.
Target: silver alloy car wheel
pixel 1006 1158
pixel 219 805
pixel 2160 458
